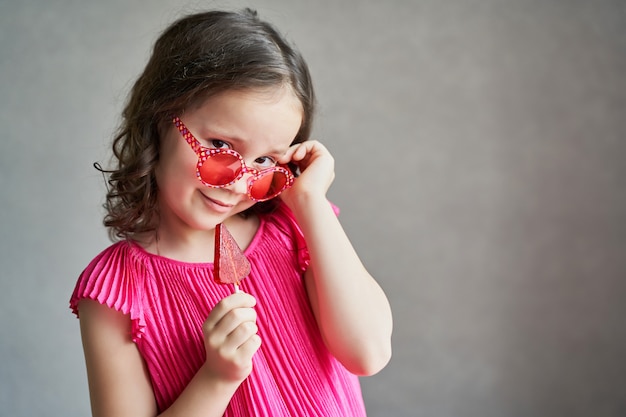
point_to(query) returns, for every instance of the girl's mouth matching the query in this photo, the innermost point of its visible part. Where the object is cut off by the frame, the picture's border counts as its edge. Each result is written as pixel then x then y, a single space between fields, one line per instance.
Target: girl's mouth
pixel 217 205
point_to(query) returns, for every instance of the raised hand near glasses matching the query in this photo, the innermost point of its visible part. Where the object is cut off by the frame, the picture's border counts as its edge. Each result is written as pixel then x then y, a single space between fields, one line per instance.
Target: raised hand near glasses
pixel 317 167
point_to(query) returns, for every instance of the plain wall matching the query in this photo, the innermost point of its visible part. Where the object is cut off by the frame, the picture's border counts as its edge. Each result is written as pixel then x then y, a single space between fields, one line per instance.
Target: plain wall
pixel 480 149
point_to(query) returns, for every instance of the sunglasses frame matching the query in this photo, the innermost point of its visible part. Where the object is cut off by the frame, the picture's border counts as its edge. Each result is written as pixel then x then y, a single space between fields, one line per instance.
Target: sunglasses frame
pixel 205 153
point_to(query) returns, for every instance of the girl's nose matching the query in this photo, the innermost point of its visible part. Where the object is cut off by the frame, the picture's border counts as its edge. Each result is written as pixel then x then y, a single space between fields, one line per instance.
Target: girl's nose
pixel 241 185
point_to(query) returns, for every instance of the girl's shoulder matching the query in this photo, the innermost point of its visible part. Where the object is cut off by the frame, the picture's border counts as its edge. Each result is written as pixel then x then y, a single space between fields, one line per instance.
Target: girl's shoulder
pixel 111 279
pixel 281 226
pixel 115 260
pixel 282 216
pixel 281 222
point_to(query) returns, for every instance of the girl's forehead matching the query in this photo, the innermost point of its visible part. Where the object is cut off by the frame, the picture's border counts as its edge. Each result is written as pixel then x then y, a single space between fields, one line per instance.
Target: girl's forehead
pixel 264 116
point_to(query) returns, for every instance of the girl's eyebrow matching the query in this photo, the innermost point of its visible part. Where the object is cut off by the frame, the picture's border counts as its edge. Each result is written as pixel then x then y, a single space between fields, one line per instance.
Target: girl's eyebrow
pixel 213 133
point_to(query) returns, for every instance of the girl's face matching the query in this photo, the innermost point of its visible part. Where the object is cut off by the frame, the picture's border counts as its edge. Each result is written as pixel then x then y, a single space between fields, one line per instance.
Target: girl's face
pixel 259 124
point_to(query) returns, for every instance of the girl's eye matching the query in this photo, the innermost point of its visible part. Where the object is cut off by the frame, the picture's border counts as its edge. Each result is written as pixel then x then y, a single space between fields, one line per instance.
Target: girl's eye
pixel 219 144
pixel 264 162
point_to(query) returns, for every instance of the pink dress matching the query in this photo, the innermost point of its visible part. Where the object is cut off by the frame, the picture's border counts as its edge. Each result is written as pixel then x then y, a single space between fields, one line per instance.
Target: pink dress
pixel 167 300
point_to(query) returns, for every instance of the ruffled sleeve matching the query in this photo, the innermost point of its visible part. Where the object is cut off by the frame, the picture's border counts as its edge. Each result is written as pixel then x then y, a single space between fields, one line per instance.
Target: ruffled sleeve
pixel 303 252
pixel 115 279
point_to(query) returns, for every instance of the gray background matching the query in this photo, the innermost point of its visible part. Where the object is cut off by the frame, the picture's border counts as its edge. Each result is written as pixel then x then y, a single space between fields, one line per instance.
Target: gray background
pixel 480 151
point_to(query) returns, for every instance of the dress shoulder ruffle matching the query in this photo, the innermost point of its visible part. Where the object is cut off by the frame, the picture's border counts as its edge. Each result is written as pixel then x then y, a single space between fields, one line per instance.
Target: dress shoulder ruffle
pixel 114 278
pixel 285 218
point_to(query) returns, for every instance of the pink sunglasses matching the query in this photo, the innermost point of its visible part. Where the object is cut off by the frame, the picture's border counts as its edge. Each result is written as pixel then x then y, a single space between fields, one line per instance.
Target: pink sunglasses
pixel 218 168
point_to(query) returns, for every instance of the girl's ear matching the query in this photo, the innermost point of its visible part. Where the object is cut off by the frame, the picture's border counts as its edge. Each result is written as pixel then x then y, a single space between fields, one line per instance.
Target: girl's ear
pixel 163 127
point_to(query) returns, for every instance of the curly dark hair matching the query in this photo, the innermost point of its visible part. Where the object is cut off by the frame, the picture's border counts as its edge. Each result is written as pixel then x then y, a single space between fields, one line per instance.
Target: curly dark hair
pixel 197 56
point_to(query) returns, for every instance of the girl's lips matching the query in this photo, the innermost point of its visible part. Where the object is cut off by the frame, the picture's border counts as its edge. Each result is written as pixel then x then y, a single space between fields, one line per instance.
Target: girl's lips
pixel 217 205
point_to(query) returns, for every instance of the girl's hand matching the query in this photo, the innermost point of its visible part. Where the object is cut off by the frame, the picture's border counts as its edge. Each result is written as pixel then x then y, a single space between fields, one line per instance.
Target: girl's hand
pixel 230 337
pixel 317 170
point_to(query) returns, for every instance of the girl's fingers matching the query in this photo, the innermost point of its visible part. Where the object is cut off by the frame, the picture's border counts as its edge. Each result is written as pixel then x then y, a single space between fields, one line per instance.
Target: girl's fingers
pixel 310 155
pixel 300 151
pixel 226 305
pixel 231 338
pixel 234 328
pixel 247 349
pixel 317 170
pixel 231 322
pixel 239 336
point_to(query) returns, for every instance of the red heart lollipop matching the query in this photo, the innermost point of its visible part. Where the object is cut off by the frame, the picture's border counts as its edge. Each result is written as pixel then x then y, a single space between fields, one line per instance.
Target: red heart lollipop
pixel 230 264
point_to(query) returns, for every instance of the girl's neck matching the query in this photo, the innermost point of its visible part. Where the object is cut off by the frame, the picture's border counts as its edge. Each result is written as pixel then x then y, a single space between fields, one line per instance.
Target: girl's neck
pixel 197 246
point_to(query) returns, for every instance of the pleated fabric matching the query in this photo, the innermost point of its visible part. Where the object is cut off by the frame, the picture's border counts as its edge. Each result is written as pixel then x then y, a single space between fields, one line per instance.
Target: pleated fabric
pixel 167 301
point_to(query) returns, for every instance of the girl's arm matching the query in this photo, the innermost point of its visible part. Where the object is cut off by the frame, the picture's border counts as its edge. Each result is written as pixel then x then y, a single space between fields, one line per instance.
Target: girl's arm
pixel 119 383
pixel 352 310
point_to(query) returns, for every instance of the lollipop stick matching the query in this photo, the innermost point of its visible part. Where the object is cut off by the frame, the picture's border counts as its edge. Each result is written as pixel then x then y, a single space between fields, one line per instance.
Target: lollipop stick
pixel 237 289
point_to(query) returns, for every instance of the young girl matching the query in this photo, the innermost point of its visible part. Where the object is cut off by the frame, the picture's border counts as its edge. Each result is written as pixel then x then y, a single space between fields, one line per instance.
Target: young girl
pixel 212 131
